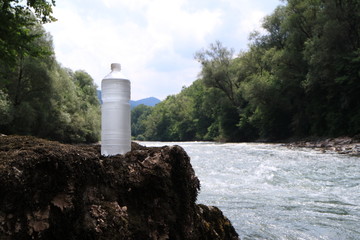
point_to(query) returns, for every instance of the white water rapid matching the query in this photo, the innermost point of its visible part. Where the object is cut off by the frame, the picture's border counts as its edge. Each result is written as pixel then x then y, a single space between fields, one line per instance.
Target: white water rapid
pixel 271 192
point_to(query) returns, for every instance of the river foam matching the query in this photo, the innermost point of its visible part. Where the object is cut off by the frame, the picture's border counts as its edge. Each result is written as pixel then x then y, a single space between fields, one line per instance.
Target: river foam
pixel 271 192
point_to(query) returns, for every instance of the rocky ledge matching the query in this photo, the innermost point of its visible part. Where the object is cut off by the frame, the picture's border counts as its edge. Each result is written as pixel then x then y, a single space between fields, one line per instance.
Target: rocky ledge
pixel 50 190
pixel 341 145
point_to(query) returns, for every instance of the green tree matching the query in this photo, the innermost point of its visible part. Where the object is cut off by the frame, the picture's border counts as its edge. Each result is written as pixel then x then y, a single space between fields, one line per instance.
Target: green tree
pixel 17 18
pixel 172 119
pixel 89 107
pixel 300 78
pixel 218 70
pixel 38 96
pixel 332 83
pixel 75 108
pixel 196 113
pixel 308 85
pixel 157 124
pixel 43 99
pixel 138 117
pixel 29 86
pixel 5 109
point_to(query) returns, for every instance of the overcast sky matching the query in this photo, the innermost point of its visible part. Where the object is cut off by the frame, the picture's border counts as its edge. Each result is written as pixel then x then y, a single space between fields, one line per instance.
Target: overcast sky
pixel 153 40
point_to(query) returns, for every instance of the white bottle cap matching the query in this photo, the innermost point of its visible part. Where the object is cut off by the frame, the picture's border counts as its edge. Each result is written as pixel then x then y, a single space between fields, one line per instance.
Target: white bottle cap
pixel 115 67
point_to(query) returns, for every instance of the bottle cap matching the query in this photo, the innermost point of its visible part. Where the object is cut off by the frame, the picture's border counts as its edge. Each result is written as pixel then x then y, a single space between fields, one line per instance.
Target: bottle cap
pixel 115 67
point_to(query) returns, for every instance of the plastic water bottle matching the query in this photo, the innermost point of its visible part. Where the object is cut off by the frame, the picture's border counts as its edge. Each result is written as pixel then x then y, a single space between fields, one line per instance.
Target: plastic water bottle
pixel 115 113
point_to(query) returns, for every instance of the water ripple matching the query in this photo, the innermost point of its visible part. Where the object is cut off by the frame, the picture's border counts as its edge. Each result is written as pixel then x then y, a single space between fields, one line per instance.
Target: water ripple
pixel 271 192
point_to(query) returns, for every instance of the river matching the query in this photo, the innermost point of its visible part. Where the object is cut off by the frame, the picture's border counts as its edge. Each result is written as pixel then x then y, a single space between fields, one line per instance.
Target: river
pixel 271 192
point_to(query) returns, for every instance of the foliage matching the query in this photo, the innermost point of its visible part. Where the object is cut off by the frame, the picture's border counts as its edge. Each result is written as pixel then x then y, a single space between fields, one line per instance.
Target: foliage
pixel 217 70
pixel 138 116
pixel 38 97
pixel 5 108
pixel 17 18
pixel 301 78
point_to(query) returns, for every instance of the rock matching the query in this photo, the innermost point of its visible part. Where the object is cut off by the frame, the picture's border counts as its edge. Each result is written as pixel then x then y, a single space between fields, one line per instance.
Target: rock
pixel 50 190
pixel 341 145
pixel 214 225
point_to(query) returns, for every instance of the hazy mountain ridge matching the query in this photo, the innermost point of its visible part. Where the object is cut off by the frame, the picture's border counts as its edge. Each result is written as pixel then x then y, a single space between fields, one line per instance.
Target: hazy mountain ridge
pixel 150 101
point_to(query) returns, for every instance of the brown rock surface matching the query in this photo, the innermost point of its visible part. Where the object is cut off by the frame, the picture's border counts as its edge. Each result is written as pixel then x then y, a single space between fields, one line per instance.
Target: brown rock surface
pixel 50 190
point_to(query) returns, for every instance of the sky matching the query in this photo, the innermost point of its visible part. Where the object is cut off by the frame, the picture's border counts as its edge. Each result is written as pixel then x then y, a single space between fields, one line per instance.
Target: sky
pixel 153 40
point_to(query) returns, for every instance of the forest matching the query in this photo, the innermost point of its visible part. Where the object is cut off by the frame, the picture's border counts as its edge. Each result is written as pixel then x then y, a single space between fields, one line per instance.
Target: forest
pixel 300 78
pixel 38 96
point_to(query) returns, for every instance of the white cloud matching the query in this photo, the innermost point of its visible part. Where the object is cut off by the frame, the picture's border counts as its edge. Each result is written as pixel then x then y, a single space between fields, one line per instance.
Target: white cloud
pixel 253 21
pixel 154 40
pixel 170 17
pixel 130 4
pixel 249 16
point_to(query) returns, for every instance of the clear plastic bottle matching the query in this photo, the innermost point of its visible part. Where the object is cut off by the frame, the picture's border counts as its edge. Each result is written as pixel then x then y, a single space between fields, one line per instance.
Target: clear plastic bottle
pixel 115 113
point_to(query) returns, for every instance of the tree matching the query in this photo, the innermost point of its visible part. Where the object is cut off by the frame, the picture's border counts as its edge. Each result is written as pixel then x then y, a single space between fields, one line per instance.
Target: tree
pixel 138 117
pixel 300 78
pixel 218 71
pixel 309 82
pixel 333 58
pixel 41 98
pixel 16 20
pixel 26 58
pixel 29 86
pixel 37 96
pixel 5 109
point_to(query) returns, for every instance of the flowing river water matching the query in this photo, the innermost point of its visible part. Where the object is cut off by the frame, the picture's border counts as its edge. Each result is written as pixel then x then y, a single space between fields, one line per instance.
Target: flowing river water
pixel 271 192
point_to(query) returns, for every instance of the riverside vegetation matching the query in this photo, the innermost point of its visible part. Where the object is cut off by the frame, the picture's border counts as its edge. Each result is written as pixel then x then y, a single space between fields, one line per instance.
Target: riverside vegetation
pixel 298 78
pixel 37 95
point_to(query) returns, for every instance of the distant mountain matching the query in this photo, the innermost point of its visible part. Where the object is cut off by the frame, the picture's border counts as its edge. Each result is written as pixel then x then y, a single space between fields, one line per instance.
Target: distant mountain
pixel 150 101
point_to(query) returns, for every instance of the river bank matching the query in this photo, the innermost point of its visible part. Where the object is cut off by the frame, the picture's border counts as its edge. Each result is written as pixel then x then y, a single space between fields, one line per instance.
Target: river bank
pixel 341 145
